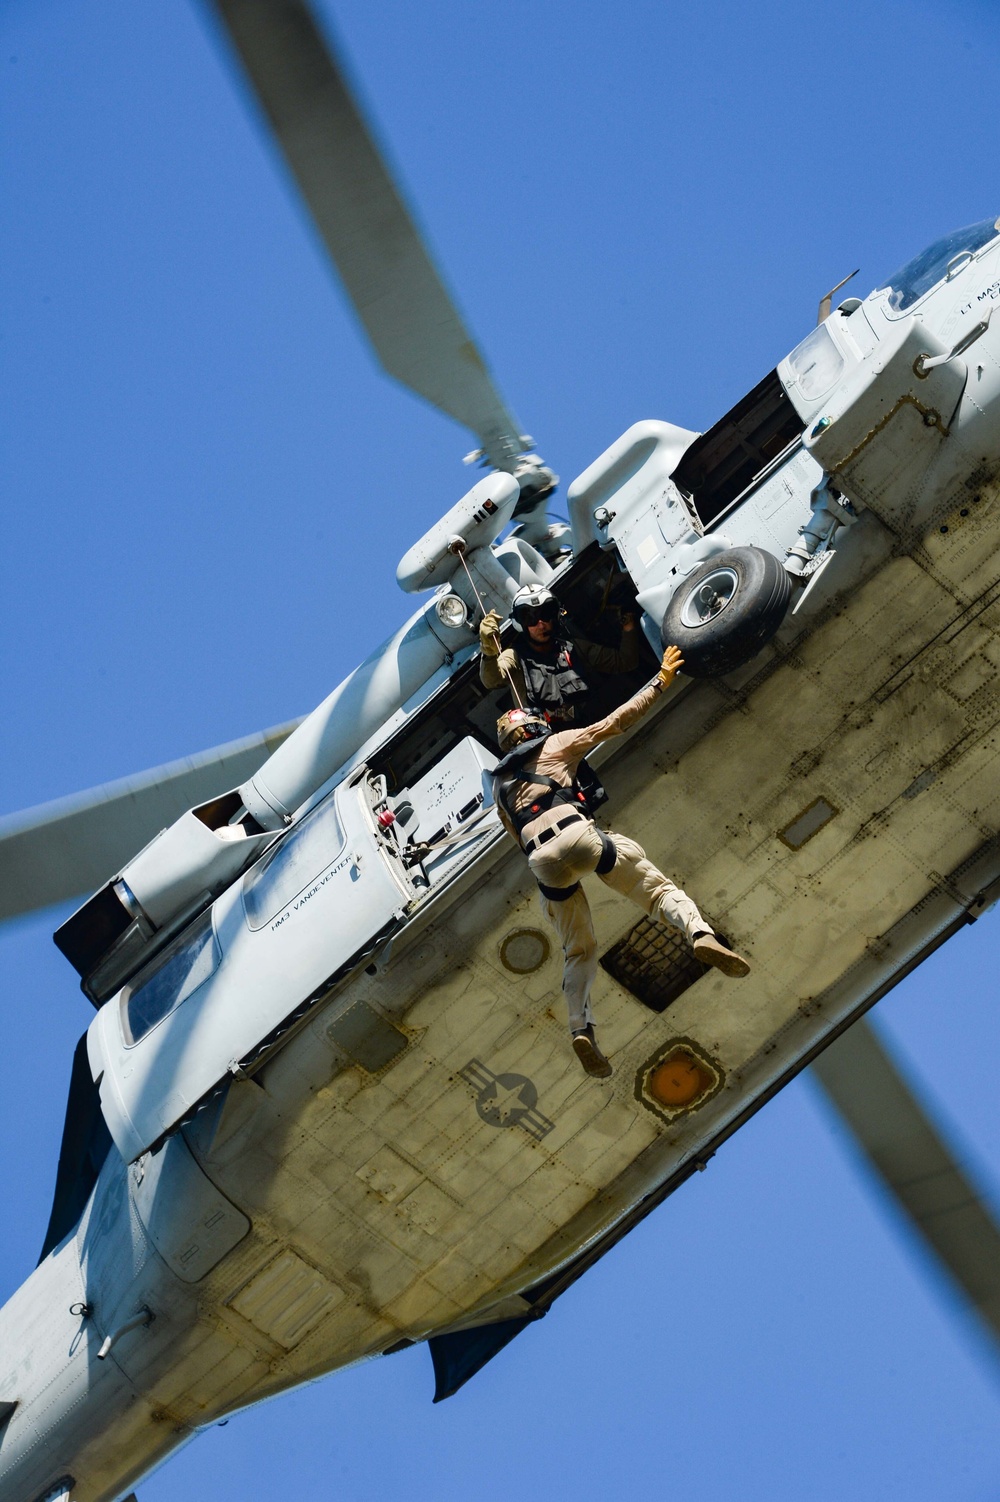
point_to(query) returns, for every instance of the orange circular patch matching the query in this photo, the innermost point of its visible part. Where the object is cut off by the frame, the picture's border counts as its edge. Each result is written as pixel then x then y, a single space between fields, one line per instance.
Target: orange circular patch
pixel 679 1080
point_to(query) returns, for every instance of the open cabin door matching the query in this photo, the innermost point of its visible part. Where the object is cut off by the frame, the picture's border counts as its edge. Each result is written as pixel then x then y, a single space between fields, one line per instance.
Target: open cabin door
pixel 315 905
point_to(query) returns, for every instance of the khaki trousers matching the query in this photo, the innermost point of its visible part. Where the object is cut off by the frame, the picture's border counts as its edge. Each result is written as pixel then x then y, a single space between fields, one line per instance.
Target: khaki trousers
pixel 574 852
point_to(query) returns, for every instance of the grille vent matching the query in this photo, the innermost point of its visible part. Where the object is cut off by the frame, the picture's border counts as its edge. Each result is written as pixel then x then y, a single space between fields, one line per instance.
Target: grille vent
pixel 654 963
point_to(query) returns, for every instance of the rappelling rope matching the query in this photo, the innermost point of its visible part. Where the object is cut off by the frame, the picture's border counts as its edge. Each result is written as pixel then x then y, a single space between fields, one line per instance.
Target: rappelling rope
pixel 458 548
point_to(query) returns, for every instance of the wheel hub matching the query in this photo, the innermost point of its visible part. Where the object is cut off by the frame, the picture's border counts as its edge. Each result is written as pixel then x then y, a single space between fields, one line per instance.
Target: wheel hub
pixel 710 598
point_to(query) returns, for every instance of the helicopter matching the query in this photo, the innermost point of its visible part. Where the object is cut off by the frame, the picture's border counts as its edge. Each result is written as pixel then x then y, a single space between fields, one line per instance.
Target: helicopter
pixel 828 575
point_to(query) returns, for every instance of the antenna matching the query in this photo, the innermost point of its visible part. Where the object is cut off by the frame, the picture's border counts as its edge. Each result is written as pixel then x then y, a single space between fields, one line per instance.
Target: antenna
pixel 826 303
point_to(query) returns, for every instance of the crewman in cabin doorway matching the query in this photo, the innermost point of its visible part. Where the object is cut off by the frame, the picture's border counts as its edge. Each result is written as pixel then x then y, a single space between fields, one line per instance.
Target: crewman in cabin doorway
pixel 545 795
pixel 549 667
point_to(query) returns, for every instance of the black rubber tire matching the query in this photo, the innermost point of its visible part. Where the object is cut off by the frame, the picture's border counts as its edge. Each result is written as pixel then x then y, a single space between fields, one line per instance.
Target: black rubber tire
pixel 736 632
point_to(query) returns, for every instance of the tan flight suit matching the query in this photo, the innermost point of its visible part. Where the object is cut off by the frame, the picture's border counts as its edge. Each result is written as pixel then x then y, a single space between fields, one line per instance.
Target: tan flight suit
pixel 562 845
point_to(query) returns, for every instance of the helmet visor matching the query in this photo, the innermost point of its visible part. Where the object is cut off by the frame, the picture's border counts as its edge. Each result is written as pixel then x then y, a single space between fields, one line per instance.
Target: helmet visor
pixel 531 615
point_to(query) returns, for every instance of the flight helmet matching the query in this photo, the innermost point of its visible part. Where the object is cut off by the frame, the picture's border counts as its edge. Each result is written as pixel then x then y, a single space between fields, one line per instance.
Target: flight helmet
pixel 533 603
pixel 519 725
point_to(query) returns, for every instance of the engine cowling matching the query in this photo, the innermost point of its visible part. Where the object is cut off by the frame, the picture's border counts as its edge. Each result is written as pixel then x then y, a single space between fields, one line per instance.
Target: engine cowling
pixel 176 874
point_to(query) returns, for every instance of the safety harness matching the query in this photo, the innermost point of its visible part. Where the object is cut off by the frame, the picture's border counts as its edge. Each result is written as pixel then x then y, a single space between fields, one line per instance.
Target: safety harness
pixel 582 798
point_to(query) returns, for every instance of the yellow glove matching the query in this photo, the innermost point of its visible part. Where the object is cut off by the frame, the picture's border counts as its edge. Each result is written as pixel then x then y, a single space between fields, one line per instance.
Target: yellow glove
pixel 489 639
pixel 672 661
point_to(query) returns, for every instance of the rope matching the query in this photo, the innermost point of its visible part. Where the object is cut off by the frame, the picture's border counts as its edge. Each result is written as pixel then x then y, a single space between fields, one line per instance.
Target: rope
pixel 459 552
pixel 420 849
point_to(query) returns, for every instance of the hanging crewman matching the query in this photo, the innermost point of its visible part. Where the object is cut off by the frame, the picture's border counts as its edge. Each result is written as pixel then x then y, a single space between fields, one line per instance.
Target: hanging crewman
pixel 546 795
pixel 549 668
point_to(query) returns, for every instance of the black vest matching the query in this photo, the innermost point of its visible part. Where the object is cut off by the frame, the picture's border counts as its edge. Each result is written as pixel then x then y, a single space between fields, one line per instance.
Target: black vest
pixel 552 679
pixel 584 794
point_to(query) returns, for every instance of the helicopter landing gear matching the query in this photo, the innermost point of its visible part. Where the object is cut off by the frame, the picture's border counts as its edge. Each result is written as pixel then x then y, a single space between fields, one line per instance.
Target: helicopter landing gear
pixel 726 610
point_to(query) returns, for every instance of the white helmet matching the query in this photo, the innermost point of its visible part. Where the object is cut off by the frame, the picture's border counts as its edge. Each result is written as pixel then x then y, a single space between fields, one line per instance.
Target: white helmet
pixel 533 602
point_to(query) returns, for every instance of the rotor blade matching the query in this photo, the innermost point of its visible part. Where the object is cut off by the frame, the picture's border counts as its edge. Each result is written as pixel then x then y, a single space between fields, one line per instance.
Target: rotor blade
pixel 74 845
pixel 416 329
pixel 915 1165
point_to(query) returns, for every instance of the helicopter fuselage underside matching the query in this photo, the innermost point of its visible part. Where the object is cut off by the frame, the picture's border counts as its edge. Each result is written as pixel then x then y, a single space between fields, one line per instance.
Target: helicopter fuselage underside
pixel 834 808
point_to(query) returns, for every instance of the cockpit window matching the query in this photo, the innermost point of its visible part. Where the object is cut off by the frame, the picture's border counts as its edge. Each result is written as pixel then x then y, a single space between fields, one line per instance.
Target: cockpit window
pixel 296 861
pixel 924 272
pixel 172 978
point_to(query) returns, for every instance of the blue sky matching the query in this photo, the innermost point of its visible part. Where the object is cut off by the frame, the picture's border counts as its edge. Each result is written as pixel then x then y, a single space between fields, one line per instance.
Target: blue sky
pixel 207 487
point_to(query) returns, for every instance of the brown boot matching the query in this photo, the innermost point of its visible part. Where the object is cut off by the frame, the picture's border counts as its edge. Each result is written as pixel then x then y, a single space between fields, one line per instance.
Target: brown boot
pixel 590 1056
pixel 711 951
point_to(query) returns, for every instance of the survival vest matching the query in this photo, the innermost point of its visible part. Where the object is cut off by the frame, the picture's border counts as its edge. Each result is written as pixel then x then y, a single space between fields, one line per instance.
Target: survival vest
pixel 585 793
pixel 551 678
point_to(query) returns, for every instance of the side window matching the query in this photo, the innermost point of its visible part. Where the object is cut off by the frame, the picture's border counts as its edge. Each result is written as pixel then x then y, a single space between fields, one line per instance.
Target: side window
pixel 816 363
pixel 297 860
pixel 171 979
